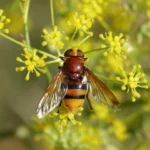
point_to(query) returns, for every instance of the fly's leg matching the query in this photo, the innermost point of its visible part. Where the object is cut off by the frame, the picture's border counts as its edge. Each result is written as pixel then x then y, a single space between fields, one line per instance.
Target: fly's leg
pixel 59 107
pixel 89 102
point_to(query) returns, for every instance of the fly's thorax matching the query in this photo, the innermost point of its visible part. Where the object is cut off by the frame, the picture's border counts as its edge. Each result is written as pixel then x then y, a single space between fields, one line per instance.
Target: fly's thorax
pixel 74 67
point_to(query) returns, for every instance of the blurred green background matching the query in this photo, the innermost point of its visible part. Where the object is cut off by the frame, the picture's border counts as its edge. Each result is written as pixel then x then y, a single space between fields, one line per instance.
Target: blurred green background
pixel 107 130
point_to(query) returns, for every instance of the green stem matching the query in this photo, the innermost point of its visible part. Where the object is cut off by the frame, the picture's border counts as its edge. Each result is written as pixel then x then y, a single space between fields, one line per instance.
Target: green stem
pixel 104 24
pixel 69 5
pixel 25 19
pixel 84 40
pixel 94 50
pixel 24 45
pixel 13 40
pixel 48 75
pixel 104 77
pixel 52 13
pixel 74 34
pixel 58 52
pixel 47 54
pixel 53 61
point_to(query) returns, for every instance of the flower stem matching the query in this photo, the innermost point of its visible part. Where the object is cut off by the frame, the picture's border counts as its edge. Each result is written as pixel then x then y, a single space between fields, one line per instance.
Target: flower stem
pixel 104 24
pixel 24 5
pixel 84 40
pixel 74 34
pixel 13 40
pixel 24 45
pixel 47 54
pixel 53 61
pixel 26 12
pixel 52 13
pixel 94 50
pixel 48 75
pixel 104 77
pixel 58 52
pixel 69 5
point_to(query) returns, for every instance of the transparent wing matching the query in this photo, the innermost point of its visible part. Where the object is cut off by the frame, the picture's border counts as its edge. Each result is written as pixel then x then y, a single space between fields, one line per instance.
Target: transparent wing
pixel 98 91
pixel 52 96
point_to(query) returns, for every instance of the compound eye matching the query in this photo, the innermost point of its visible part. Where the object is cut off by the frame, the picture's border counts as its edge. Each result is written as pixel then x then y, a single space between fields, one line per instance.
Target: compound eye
pixel 80 53
pixel 68 53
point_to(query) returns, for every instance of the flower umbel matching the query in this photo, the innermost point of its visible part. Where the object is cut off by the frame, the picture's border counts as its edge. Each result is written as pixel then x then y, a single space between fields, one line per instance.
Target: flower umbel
pixel 53 38
pixel 3 21
pixel 80 22
pixel 119 129
pixel 115 45
pixel 94 9
pixel 33 63
pixel 133 80
pixel 66 117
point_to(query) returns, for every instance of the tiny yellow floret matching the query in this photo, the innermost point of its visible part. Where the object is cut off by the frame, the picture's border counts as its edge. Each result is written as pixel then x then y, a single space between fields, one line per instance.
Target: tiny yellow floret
pixel 3 22
pixel 132 80
pixel 33 63
pixel 116 44
pixel 53 38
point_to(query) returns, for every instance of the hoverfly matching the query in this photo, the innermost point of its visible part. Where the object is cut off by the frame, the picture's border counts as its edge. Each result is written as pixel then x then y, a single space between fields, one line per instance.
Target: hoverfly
pixel 73 84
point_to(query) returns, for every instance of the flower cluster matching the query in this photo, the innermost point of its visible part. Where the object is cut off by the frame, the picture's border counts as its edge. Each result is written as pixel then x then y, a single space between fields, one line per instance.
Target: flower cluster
pixel 119 129
pixel 44 130
pixel 115 45
pixel 93 8
pixel 110 64
pixel 104 115
pixel 66 116
pixel 80 22
pixel 133 80
pixel 53 38
pixel 33 63
pixel 3 21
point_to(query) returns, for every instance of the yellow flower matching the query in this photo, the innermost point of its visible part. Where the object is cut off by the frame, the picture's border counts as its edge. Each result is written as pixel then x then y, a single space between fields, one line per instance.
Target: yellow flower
pixel 119 129
pixel 133 80
pixel 93 9
pixel 3 21
pixel 80 22
pixel 101 112
pixel 92 137
pixel 53 38
pixel 115 45
pixel 66 117
pixel 33 63
pixel 110 64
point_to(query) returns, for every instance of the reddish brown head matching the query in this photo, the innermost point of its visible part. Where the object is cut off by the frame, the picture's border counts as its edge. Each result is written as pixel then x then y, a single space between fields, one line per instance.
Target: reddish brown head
pixel 74 63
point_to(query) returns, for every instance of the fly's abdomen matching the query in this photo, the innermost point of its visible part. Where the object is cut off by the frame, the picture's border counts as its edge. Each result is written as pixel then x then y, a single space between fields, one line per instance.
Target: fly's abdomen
pixel 75 96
